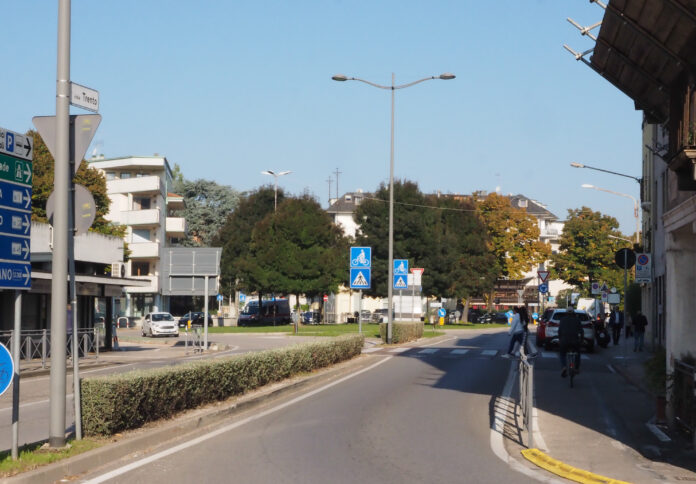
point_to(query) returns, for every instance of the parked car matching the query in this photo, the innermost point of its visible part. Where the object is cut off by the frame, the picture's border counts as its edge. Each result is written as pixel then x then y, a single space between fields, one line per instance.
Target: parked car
pixel 311 317
pixel 159 323
pixel 547 330
pixel 380 315
pixel 488 318
pixel 365 315
pixel 270 312
pixel 196 317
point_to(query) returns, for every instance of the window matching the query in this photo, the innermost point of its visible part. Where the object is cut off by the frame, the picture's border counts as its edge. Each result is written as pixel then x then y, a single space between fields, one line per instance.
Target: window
pixel 141 235
pixel 125 175
pixel 141 203
pixel 110 175
pixel 140 268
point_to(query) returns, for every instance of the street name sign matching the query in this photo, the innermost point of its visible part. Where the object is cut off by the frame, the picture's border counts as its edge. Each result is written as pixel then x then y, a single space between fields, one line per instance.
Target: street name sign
pixel 16 144
pixel 16 152
pixel 84 97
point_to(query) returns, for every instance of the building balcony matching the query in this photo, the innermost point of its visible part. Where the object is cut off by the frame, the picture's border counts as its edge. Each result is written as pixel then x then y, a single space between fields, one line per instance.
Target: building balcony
pixel 149 217
pixel 144 250
pixel 153 285
pixel 142 185
pixel 176 226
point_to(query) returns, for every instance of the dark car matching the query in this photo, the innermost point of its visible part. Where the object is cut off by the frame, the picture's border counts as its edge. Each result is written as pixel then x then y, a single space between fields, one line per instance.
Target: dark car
pixel 196 317
pixel 488 318
pixel 311 317
pixel 271 312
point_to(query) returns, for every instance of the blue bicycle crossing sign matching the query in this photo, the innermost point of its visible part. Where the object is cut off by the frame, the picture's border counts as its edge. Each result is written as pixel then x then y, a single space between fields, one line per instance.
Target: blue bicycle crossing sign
pixel 361 256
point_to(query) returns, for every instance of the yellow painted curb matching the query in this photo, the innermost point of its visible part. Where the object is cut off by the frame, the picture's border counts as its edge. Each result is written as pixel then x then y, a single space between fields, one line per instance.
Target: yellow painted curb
pixel 564 470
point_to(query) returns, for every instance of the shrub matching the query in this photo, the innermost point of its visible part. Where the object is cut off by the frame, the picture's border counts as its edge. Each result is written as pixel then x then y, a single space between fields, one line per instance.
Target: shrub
pixel 402 331
pixel 115 403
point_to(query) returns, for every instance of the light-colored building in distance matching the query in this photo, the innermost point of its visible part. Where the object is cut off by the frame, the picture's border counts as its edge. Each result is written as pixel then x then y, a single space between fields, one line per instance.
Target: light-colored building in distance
pixel 140 191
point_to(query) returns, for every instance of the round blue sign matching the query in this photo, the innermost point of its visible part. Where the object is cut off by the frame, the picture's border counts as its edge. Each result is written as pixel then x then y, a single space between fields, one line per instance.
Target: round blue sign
pixel 442 312
pixel 6 369
pixel 535 315
pixel 543 288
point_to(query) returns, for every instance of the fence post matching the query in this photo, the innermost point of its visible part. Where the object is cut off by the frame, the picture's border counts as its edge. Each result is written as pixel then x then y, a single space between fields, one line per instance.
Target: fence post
pixel 96 342
pixel 27 348
pixel 43 348
pixel 530 405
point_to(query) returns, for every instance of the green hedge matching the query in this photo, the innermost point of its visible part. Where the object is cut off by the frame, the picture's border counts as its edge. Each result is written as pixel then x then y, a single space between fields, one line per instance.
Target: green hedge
pixel 402 331
pixel 115 403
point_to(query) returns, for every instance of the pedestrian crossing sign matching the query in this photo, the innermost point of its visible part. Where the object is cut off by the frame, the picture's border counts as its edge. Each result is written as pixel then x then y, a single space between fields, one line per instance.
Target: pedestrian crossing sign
pixel 360 278
pixel 400 282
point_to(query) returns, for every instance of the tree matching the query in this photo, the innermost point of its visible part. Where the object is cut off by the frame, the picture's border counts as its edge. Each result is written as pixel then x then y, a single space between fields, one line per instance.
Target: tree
pixel 296 250
pixel 207 207
pixel 586 252
pixel 235 235
pixel 513 236
pixel 93 180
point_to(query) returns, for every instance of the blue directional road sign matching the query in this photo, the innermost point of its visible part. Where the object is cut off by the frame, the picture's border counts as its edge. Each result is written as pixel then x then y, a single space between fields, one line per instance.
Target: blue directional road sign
pixel 400 267
pixel 15 196
pixel 442 312
pixel 360 278
pixel 543 288
pixel 15 248
pixel 361 256
pixel 6 369
pixel 15 275
pixel 14 223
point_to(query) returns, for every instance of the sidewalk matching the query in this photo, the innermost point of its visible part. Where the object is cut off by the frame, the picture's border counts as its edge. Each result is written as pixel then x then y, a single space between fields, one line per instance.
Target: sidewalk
pixel 605 425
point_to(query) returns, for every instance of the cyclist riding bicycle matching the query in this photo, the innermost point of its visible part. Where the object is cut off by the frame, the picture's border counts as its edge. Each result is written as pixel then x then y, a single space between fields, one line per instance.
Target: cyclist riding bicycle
pixel 569 339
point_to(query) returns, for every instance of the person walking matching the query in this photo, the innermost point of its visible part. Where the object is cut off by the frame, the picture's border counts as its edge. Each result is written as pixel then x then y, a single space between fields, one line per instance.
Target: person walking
pixel 516 332
pixel 639 324
pixel 616 322
pixel 570 337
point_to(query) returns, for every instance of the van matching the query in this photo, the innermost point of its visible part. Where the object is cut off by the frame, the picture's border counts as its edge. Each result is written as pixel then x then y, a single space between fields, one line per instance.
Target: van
pixel 271 312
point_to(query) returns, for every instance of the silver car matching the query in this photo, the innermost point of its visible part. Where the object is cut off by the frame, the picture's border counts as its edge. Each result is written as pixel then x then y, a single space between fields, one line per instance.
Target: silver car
pixel 159 324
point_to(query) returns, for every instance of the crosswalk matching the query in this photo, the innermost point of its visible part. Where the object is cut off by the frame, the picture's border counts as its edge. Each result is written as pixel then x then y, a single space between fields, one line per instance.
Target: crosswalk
pixel 452 352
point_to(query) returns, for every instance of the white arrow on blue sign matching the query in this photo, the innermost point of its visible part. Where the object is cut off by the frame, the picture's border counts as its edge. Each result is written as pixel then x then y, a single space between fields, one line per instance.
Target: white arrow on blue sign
pixel 543 288
pixel 15 275
pixel 442 312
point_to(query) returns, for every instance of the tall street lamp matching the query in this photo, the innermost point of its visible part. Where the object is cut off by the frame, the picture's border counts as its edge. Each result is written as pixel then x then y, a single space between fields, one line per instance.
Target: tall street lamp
pixel 341 77
pixel 275 178
pixel 635 204
pixel 580 165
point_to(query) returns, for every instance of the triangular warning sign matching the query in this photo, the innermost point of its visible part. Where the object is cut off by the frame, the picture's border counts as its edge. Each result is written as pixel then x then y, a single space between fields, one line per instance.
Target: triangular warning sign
pixel 401 283
pixel 543 275
pixel 604 287
pixel 360 280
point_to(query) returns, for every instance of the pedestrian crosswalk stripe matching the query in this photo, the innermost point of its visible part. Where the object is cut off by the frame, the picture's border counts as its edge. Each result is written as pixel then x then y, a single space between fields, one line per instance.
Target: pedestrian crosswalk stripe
pixel 489 352
pixel 459 352
pixel 399 350
pixel 429 351
pixel 370 350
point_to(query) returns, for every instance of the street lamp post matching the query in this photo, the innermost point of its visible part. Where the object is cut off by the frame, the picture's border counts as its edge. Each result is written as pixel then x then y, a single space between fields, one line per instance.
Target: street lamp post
pixel 580 165
pixel 275 178
pixel 635 205
pixel 341 77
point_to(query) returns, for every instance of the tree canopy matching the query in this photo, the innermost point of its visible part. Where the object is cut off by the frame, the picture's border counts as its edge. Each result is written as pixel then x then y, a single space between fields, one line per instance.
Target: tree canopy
pixel 586 252
pixel 296 250
pixel 208 206
pixel 513 236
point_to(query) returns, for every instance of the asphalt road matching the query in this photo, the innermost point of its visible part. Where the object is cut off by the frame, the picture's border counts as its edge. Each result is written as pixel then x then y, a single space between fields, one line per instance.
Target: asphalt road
pixel 421 415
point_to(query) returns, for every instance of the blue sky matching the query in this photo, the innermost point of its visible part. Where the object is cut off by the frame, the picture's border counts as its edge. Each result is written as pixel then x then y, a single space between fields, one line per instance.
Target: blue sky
pixel 228 89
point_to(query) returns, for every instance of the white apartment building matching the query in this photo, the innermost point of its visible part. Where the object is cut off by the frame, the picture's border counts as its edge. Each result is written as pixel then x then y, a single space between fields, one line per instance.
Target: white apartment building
pixel 139 188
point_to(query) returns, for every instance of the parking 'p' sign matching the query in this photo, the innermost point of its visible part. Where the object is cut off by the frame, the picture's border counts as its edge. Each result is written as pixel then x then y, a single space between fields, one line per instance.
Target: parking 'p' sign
pixel 6 369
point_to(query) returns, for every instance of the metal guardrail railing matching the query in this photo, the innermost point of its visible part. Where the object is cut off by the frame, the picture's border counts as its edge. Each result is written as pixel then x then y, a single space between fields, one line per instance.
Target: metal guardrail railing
pixel 684 395
pixel 526 387
pixel 36 344
pixel 194 339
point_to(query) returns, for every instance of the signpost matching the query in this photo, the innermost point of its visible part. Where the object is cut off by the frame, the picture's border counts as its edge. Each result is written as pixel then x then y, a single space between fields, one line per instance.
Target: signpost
pixel 643 268
pixel 360 274
pixel 16 144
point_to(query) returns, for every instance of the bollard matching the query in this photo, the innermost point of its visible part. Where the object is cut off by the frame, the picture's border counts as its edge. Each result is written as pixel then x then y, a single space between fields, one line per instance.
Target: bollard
pixel 27 348
pixel 43 348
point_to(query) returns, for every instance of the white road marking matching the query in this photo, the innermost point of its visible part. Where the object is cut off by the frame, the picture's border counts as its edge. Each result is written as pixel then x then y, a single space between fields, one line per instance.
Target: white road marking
pixel 370 350
pixel 399 350
pixel 428 351
pixel 226 428
pixel 459 352
pixel 489 352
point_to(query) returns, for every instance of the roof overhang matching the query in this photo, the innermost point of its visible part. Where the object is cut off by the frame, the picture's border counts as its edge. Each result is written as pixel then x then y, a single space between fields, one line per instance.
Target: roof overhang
pixel 644 46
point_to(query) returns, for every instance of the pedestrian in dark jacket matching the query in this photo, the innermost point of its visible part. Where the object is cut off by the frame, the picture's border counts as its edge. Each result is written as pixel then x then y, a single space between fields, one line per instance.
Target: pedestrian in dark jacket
pixel 639 324
pixel 570 338
pixel 616 322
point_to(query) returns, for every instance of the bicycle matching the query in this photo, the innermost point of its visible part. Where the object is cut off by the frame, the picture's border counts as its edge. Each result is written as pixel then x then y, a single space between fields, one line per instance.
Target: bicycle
pixel 571 359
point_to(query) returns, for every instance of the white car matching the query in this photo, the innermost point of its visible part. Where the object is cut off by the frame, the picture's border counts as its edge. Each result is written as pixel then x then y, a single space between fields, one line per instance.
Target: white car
pixel 159 323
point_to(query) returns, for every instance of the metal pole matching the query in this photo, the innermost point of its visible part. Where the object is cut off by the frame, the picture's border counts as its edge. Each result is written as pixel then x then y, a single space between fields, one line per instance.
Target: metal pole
pixel 59 296
pixel 73 304
pixel 390 281
pixel 205 315
pixel 275 194
pixel 624 307
pixel 15 381
pixel 360 311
